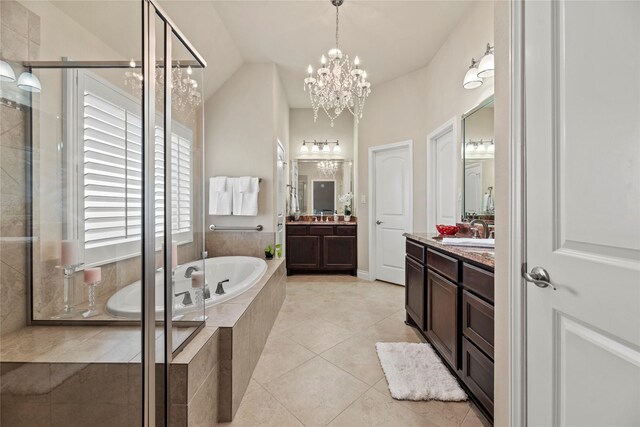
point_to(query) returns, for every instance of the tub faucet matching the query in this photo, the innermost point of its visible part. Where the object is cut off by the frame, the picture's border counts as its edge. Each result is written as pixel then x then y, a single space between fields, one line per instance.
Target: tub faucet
pixel 186 300
pixel 219 288
pixel 190 270
pixel 485 227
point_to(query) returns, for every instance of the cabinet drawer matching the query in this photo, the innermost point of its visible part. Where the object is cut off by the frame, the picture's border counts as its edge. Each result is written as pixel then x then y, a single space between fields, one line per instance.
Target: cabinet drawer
pixel 416 251
pixel 477 281
pixel 321 230
pixel 443 264
pixel 297 230
pixel 478 322
pixel 477 374
pixel 345 230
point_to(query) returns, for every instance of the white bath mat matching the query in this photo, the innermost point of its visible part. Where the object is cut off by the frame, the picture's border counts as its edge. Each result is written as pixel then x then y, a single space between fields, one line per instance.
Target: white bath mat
pixel 415 372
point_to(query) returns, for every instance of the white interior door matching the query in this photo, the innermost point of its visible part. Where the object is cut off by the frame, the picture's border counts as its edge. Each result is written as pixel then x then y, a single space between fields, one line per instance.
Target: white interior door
pixel 582 62
pixel 473 188
pixel 392 210
pixel 446 179
pixel 280 196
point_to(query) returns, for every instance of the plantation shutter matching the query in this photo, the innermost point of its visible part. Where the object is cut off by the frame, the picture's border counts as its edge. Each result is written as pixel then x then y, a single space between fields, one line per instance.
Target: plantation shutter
pixel 112 161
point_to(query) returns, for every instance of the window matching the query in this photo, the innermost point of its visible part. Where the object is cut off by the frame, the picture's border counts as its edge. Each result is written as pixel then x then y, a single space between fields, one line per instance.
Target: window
pixel 108 197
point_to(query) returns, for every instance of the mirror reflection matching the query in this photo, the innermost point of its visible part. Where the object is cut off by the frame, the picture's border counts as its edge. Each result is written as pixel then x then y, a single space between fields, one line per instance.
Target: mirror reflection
pixel 316 185
pixel 479 163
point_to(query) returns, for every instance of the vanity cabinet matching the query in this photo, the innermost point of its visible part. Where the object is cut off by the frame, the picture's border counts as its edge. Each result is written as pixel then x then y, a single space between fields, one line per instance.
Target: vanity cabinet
pixel 449 299
pixel 321 248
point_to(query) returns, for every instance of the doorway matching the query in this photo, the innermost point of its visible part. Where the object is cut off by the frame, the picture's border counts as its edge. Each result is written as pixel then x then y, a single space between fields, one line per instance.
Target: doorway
pixel 442 172
pixel 391 209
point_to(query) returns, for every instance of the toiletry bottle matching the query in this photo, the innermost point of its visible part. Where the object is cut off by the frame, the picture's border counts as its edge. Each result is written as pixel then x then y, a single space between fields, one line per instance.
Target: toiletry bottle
pixel 335 216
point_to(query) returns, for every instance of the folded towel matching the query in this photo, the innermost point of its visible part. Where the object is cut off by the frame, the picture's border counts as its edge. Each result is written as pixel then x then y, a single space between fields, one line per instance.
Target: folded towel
pixel 478 243
pixel 219 184
pixel 219 201
pixel 245 184
pixel 245 203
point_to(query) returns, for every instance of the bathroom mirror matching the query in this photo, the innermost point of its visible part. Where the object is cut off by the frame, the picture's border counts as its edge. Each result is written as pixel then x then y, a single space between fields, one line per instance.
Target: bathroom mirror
pixel 316 185
pixel 478 161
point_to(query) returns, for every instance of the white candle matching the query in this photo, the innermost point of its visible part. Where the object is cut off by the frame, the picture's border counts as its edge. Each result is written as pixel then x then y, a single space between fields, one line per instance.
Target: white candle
pixel 69 253
pixel 197 279
pixel 92 275
pixel 174 255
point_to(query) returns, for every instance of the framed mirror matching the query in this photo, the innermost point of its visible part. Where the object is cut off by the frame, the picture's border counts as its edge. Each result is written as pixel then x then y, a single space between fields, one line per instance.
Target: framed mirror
pixel 316 185
pixel 478 160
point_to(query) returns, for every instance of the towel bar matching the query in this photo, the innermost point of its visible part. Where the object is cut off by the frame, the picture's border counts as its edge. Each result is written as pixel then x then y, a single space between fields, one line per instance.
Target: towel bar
pixel 233 228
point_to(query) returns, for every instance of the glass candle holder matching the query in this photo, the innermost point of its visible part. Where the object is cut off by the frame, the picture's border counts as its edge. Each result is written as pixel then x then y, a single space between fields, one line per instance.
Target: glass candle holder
pixel 92 310
pixel 68 291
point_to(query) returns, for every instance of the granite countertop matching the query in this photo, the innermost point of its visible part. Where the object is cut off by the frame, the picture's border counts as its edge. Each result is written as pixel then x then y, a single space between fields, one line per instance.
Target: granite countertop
pixel 480 256
pixel 321 222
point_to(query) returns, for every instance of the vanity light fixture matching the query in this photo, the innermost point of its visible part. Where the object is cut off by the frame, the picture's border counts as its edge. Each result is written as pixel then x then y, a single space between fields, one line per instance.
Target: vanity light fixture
pixel 315 148
pixel 29 82
pixel 326 149
pixel 6 72
pixel 337 148
pixel 486 66
pixel 492 147
pixel 304 148
pixel 471 79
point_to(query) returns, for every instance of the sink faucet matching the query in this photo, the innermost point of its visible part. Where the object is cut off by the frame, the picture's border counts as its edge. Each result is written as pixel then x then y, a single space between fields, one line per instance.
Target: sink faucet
pixel 220 288
pixel 485 227
pixel 190 270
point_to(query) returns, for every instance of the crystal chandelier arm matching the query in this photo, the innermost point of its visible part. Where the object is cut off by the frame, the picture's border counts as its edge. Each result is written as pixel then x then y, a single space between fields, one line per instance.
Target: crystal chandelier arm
pixel 337 25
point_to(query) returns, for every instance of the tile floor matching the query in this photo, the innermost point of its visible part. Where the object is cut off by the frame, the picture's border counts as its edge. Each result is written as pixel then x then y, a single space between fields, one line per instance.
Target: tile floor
pixel 319 366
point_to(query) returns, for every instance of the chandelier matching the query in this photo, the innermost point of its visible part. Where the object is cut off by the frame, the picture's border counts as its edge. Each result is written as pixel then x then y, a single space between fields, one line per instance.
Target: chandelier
pixel 328 168
pixel 338 83
pixel 185 96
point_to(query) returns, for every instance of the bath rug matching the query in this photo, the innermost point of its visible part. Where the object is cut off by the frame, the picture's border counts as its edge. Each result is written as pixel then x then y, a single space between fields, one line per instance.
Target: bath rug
pixel 415 372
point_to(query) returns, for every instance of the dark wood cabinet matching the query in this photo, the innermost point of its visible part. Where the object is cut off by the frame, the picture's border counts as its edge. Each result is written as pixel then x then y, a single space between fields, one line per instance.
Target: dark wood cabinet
pixel 442 317
pixel 414 291
pixel 321 248
pixel 449 298
pixel 303 252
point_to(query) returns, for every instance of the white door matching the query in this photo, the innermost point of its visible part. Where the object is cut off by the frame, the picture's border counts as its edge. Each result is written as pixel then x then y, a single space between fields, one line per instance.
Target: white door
pixel 392 206
pixel 281 197
pixel 446 179
pixel 473 188
pixel 582 68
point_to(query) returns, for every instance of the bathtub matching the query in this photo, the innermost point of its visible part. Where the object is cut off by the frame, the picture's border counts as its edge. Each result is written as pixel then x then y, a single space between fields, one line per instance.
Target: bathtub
pixel 243 272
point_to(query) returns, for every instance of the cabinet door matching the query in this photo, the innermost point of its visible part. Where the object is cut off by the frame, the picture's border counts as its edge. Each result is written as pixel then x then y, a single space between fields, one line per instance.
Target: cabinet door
pixel 303 252
pixel 339 252
pixel 442 317
pixel 414 291
pixel 477 374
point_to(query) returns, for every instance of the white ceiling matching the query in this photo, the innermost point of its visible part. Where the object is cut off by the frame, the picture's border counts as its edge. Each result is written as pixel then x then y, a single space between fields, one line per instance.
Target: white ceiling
pixel 392 37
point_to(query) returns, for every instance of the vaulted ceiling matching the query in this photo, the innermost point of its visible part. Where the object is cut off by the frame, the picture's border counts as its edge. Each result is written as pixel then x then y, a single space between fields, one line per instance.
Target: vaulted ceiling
pixel 392 37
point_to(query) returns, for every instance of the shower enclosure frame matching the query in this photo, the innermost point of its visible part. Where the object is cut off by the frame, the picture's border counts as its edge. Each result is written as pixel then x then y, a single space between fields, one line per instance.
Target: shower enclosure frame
pixel 150 11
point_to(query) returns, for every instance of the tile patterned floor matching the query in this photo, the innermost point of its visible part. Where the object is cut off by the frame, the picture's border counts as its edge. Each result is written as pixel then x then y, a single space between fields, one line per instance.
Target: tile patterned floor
pixel 319 366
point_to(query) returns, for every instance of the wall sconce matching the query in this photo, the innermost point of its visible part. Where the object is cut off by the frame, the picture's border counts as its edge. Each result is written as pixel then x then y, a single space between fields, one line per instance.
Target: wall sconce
pixel 471 79
pixel 27 81
pixel 6 72
pixel 480 69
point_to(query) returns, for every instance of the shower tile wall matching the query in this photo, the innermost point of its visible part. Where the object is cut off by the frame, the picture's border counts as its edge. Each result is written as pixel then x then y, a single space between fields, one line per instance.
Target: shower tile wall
pixel 20 41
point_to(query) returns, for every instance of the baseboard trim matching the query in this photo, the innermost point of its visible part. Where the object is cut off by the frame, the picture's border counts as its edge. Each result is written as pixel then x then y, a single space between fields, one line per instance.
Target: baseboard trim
pixel 364 275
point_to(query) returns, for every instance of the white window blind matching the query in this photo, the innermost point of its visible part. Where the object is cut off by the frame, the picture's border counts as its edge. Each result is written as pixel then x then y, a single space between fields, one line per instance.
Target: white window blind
pixel 111 138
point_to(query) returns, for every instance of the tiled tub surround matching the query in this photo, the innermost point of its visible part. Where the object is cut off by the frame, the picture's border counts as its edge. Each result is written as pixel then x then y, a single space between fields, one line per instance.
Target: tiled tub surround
pixel 56 370
pixel 240 243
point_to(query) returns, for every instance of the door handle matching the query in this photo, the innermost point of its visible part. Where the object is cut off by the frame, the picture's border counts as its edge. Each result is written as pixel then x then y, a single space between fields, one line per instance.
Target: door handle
pixel 378 222
pixel 538 277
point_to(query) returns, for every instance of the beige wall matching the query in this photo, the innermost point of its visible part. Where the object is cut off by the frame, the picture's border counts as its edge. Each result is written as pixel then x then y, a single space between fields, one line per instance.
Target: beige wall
pixel 412 106
pixel 303 128
pixel 244 120
pixel 503 244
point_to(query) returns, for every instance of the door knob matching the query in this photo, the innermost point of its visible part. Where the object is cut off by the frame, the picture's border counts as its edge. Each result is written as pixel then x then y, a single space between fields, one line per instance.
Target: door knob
pixel 378 222
pixel 538 277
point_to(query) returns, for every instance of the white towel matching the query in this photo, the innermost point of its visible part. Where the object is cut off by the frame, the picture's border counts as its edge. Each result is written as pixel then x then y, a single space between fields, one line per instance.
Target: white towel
pixel 245 203
pixel 478 243
pixel 245 184
pixel 219 184
pixel 219 201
